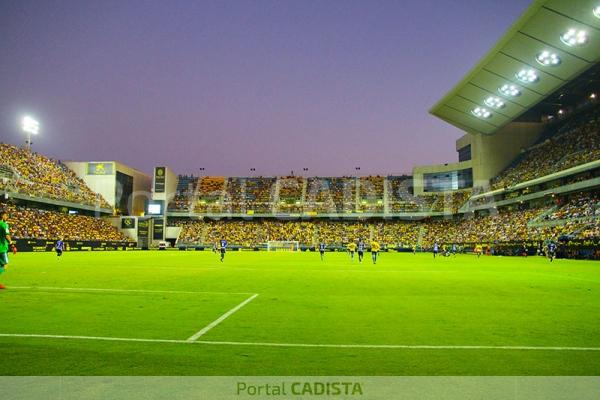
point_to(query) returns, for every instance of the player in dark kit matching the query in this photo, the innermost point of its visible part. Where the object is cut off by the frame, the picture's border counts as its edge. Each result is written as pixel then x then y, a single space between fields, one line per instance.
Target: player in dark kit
pixel 551 251
pixel 223 249
pixel 361 249
pixel 322 247
pixel 59 247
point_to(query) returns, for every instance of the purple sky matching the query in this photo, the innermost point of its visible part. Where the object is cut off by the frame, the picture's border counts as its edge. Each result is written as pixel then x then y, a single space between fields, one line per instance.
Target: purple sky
pixel 230 85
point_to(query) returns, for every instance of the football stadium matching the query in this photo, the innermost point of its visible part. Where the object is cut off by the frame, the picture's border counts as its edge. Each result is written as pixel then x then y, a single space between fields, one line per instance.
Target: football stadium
pixel 481 266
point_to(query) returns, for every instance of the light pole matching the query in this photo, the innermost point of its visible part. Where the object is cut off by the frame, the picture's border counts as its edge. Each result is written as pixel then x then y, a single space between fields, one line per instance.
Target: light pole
pixel 31 127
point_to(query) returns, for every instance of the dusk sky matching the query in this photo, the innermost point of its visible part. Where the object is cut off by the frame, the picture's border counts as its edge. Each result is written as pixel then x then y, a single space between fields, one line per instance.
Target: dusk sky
pixel 234 85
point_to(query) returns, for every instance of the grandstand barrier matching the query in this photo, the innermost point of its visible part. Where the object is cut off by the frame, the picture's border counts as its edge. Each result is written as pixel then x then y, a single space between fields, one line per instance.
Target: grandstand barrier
pixel 40 245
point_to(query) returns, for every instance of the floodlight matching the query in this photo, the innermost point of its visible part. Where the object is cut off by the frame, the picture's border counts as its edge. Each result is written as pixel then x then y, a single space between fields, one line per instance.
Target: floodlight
pixel 494 102
pixel 30 125
pixel 548 59
pixel 527 76
pixel 481 112
pixel 574 37
pixel 509 90
pixel 596 11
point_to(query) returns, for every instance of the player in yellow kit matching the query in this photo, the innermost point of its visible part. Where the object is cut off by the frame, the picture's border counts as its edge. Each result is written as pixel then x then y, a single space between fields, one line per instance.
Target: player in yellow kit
pixel 351 248
pixel 478 250
pixel 375 247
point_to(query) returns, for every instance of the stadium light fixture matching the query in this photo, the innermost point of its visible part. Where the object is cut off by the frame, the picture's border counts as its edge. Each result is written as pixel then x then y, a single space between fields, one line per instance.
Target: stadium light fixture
pixel 509 90
pixel 494 102
pixel 31 127
pixel 574 37
pixel 596 11
pixel 548 59
pixel 593 96
pixel 527 76
pixel 481 112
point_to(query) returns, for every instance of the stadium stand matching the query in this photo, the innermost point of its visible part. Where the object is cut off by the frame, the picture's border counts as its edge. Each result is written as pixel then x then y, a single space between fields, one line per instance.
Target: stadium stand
pixel 38 176
pixel 31 223
pixel 499 226
pixel 186 187
pixel 577 142
pixel 291 194
pixel 331 194
pixel 574 214
pixel 371 194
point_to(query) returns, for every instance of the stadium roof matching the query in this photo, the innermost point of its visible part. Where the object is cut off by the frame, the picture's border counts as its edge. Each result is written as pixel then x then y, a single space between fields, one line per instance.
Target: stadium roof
pixel 551 44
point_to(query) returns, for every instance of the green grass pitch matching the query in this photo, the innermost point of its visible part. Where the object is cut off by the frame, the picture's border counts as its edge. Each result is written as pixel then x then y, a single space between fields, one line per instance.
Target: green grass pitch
pixel 133 313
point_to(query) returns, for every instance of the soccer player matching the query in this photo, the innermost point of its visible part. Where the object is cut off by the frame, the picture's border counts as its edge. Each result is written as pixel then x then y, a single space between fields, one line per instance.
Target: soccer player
pixel 59 248
pixel 453 251
pixel 374 250
pixel 361 249
pixel 322 247
pixel 414 249
pixel 478 250
pixel 223 249
pixel 5 242
pixel 551 250
pixel 436 249
pixel 351 248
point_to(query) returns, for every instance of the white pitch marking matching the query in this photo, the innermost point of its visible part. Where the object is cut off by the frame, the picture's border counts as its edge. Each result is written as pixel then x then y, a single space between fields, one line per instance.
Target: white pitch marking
pixel 66 289
pixel 222 318
pixel 400 346
pixel 102 338
pixel 334 346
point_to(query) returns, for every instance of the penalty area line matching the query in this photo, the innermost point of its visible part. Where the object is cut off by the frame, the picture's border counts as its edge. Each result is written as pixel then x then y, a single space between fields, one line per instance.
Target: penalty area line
pixel 304 345
pixel 222 318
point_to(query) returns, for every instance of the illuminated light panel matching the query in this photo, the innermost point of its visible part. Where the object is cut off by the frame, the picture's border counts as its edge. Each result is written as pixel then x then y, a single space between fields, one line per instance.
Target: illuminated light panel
pixel 574 37
pixel 481 112
pixel 509 90
pixel 548 59
pixel 30 125
pixel 494 102
pixel 527 76
pixel 596 11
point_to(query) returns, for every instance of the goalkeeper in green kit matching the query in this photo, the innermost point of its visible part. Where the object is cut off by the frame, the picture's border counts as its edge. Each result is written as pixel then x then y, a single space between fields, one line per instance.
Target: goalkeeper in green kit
pixel 5 243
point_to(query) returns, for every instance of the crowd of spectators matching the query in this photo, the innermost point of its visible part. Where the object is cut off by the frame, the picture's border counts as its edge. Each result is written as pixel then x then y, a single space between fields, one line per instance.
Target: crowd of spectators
pixel 331 194
pixel 38 176
pixel 186 188
pixel 449 202
pixel 371 194
pixel 580 205
pixel 31 223
pixel 576 143
pixel 401 196
pixel 497 226
pixel 295 195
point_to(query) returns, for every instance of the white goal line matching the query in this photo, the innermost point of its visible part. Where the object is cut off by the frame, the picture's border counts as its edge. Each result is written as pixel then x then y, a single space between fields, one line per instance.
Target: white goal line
pixel 308 345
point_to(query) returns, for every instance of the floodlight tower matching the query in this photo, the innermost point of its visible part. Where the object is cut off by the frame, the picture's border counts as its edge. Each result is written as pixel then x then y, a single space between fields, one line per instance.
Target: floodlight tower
pixel 31 127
